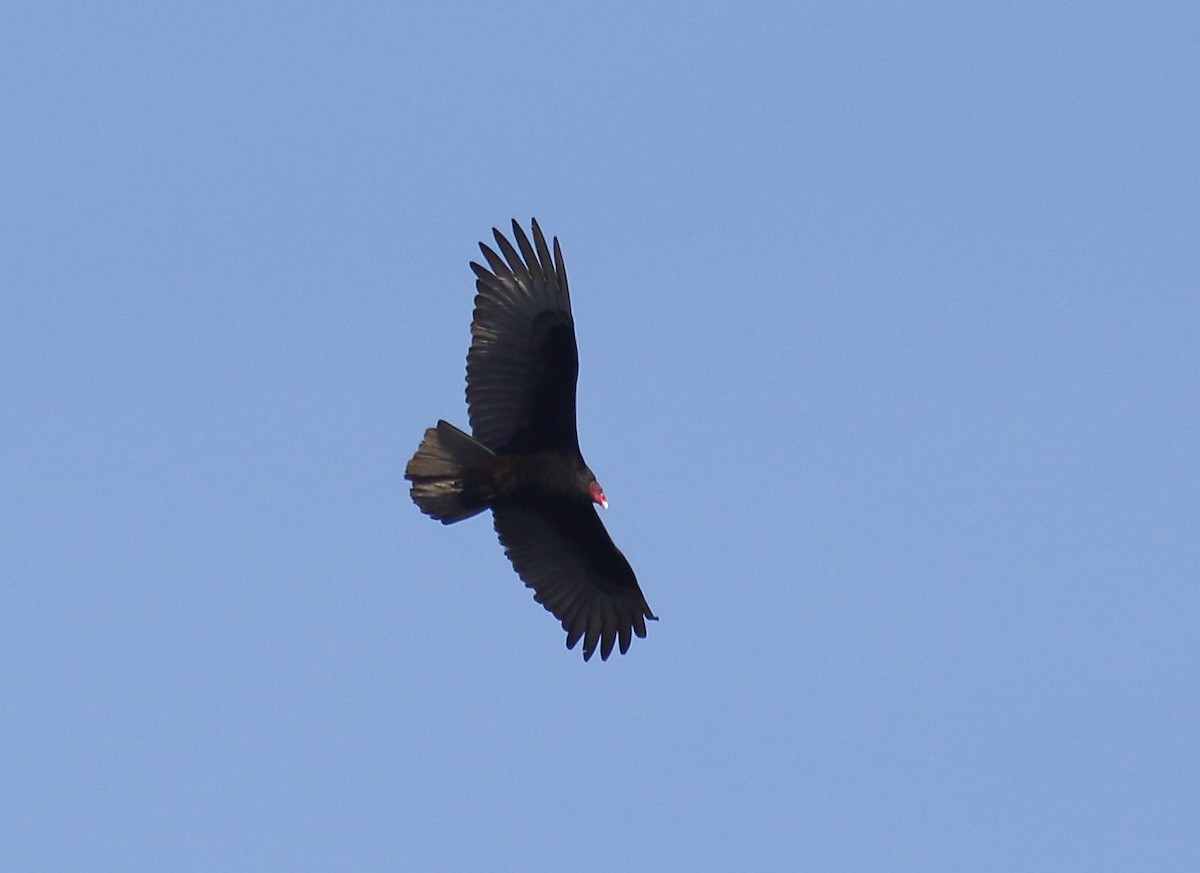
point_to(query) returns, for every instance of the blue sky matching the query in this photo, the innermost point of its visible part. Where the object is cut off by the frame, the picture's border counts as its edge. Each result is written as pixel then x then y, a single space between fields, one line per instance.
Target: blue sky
pixel 888 318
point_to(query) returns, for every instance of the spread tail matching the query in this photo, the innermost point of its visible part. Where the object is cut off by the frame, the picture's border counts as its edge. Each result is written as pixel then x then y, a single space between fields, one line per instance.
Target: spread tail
pixel 436 472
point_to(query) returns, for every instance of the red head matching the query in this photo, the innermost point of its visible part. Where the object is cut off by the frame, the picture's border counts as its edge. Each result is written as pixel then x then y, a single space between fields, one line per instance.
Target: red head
pixel 597 494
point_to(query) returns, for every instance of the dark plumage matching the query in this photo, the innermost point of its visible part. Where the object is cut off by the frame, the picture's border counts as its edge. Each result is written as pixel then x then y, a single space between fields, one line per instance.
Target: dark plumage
pixel 523 461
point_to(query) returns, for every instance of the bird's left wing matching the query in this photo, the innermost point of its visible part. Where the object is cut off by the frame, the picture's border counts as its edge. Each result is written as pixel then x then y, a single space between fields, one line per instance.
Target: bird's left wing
pixel 563 553
pixel 523 363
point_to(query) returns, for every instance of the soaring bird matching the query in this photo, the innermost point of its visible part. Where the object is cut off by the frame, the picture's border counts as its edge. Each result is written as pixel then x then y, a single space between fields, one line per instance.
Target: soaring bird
pixel 522 459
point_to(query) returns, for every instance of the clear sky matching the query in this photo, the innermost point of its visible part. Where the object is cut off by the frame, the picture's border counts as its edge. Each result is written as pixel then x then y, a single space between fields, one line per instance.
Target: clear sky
pixel 889 320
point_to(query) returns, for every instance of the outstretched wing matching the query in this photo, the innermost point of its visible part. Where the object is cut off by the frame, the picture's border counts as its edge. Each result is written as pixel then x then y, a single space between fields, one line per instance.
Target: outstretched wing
pixel 523 363
pixel 566 556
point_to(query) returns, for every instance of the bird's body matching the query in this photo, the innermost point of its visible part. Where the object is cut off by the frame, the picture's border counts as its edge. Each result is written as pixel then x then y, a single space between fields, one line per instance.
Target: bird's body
pixel 523 460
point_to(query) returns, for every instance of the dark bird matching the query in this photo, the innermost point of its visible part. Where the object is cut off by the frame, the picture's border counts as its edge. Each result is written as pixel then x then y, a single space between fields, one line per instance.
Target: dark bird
pixel 523 462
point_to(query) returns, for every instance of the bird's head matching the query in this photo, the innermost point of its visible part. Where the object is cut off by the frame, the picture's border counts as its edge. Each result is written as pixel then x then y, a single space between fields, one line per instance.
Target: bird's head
pixel 597 494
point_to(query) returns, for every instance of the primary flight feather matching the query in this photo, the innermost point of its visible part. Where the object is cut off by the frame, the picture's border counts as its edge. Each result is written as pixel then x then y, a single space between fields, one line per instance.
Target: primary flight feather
pixel 523 460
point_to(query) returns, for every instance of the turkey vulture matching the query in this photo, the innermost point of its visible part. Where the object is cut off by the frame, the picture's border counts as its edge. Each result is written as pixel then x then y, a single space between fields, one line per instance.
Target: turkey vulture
pixel 523 461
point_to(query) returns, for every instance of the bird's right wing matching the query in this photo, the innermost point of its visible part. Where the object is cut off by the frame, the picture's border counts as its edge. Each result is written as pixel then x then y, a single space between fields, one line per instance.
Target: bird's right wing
pixel 523 363
pixel 566 556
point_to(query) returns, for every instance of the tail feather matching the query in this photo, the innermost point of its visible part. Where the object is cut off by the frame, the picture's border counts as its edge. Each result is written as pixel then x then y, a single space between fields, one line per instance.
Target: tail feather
pixel 437 470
